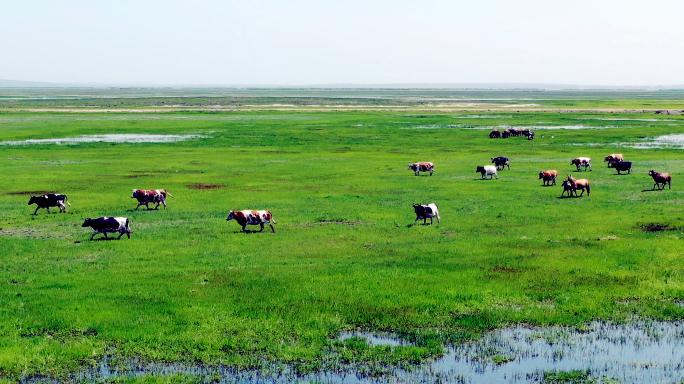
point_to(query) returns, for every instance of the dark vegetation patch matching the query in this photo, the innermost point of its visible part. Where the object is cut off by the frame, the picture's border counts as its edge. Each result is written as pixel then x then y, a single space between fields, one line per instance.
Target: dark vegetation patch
pixel 277 152
pixel 204 186
pixel 36 193
pixel 350 223
pixel 658 227
pixel 503 269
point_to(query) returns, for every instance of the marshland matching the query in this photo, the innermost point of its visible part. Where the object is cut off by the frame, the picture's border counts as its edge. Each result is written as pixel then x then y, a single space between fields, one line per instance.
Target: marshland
pixel 514 285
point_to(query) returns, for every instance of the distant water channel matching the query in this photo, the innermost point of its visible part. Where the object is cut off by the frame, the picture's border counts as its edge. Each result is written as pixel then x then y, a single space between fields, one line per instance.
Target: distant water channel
pixel 641 352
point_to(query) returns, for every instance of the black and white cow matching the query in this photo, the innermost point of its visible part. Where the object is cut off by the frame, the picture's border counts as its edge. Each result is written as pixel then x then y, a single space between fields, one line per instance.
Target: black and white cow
pixel 423 166
pixel 106 225
pixel 487 170
pixel 426 211
pixel 502 162
pixel 49 200
pixel 582 162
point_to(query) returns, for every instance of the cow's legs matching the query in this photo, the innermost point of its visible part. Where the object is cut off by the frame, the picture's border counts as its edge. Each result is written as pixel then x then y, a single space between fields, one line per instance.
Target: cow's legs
pixel 271 225
pixel 163 200
pixel 262 227
pixel 157 206
pixel 105 234
pixel 431 220
pixel 120 234
pixel 91 237
pixel 431 173
pixel 36 212
pixel 139 204
pixel 48 208
pixel 244 228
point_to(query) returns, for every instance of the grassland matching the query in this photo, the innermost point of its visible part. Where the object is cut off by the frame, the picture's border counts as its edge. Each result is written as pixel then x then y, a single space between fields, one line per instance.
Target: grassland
pixel 188 286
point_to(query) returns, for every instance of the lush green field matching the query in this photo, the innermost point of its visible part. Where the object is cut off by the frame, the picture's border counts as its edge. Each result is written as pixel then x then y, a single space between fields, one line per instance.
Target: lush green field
pixel 188 286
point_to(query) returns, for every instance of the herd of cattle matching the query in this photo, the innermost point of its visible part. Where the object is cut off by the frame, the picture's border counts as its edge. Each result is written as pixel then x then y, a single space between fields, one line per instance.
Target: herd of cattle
pixel 511 132
pixel 571 186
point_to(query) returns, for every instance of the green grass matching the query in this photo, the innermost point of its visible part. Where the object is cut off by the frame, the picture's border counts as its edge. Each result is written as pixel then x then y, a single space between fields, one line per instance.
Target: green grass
pixel 189 287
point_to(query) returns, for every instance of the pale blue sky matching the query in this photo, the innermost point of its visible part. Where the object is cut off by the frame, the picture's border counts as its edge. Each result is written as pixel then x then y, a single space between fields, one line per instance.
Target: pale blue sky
pixel 302 42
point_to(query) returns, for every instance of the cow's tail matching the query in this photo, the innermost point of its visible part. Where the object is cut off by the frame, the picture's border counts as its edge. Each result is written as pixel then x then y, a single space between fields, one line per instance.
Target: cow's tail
pixel 66 200
pixel 438 218
pixel 588 189
pixel 128 228
pixel 272 219
pixel 169 194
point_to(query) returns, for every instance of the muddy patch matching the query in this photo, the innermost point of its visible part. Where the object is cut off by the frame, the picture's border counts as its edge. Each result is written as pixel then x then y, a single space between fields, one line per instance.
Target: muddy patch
pixel 110 138
pixel 55 231
pixel 329 222
pixel 658 227
pixel 204 186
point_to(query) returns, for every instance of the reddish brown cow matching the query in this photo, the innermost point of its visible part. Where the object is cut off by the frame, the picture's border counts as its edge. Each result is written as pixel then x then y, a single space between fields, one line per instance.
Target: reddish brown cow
pixel 548 177
pixel 660 178
pixel 147 196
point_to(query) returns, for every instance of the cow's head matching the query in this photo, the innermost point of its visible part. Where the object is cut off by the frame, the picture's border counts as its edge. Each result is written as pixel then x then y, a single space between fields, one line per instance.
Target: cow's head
pixel 419 209
pixel 135 193
pixel 87 223
pixel 33 200
pixel 480 169
pixel 574 161
pixel 608 158
pixel 541 175
pixel 651 173
pixel 231 216
pixel 412 167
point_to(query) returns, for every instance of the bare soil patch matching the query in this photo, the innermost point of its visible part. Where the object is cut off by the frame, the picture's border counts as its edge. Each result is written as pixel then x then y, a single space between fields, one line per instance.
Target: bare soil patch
pixel 204 186
pixel 35 193
pixel 658 227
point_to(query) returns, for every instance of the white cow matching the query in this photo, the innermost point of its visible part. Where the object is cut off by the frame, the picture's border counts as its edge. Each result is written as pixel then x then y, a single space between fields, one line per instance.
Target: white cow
pixel 487 170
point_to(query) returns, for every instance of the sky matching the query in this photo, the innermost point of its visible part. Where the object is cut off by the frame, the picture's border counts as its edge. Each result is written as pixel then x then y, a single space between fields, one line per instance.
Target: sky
pixel 306 42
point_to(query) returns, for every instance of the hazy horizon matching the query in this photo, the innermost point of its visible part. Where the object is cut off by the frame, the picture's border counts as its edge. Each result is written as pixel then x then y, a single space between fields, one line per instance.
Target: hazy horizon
pixel 373 43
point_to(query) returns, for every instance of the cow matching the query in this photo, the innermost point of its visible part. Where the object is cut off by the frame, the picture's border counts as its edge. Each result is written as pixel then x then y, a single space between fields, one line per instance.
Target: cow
pixel 426 211
pixel 251 217
pixel 530 135
pixel 495 134
pixel 147 196
pixel 487 170
pixel 582 162
pixel 613 158
pixel 506 134
pixel 548 177
pixel 501 161
pixel 567 187
pixel 425 166
pixel 49 200
pixel 579 184
pixel 106 225
pixel 622 166
pixel 660 178
pixel 515 132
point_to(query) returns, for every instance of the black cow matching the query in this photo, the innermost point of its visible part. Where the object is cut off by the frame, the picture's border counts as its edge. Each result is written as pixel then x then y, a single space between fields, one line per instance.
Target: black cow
pixel 49 200
pixel 495 134
pixel 530 135
pixel 109 224
pixel 621 166
pixel 506 134
pixel 502 162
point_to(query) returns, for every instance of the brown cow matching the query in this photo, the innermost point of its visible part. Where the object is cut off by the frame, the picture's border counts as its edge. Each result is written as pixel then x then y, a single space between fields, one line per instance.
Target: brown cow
pixel 548 177
pixel 660 178
pixel 146 197
pixel 579 184
pixel 613 158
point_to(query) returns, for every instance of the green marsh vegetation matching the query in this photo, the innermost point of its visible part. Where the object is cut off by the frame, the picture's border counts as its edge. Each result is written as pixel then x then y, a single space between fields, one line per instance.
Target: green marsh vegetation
pixel 188 286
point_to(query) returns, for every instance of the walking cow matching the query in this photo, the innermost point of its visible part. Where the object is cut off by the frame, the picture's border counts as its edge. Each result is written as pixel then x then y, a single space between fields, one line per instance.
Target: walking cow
pixel 425 166
pixel 548 177
pixel 502 162
pixel 660 178
pixel 49 200
pixel 106 225
pixel 146 197
pixel 487 170
pixel 250 217
pixel 426 211
pixel 582 162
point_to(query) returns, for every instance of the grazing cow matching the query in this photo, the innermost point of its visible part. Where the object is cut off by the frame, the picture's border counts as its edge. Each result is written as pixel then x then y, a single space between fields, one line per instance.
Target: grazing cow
pixel 487 170
pixel 613 158
pixel 506 134
pixel 622 166
pixel 530 135
pixel 660 178
pixel 495 134
pixel 106 225
pixel 426 211
pixel 426 166
pixel 515 132
pixel 250 217
pixel 567 187
pixel 548 177
pixel 582 162
pixel 49 200
pixel 147 196
pixel 579 184
pixel 501 161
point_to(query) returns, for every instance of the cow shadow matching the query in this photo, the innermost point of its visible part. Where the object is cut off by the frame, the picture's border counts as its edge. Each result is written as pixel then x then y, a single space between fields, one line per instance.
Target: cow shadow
pixel 249 231
pixel 651 190
pixel 567 197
